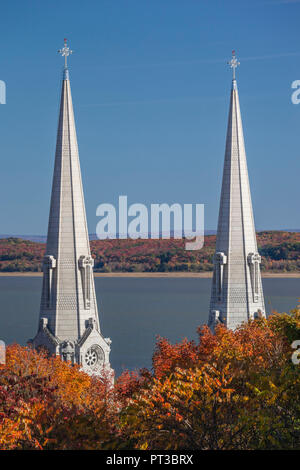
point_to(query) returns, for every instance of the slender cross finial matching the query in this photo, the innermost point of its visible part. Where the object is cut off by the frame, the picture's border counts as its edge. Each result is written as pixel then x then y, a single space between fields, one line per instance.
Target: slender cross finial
pixel 234 63
pixel 65 52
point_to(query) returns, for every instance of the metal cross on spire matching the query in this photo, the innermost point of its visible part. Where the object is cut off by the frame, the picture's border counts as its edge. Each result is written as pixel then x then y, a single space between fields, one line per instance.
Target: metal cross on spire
pixel 234 63
pixel 65 52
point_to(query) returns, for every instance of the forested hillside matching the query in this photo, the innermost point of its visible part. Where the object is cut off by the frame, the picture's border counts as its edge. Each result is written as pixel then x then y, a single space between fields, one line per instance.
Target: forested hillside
pixel 280 252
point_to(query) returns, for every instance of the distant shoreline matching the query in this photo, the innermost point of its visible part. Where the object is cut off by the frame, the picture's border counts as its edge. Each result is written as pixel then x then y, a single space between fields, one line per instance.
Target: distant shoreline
pixel 205 275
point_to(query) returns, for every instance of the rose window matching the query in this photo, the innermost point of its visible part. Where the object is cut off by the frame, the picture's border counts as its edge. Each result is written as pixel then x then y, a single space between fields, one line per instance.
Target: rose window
pixel 94 356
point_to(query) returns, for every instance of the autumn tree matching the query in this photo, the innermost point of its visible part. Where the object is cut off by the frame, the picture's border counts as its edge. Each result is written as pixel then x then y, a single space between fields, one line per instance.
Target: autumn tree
pixel 229 390
pixel 233 390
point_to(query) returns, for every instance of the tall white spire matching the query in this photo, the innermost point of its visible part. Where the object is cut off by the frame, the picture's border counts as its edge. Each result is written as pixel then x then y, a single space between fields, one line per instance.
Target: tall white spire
pixel 69 324
pixel 237 293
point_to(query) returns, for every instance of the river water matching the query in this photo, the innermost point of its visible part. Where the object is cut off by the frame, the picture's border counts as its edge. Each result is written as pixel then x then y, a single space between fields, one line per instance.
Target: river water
pixel 133 311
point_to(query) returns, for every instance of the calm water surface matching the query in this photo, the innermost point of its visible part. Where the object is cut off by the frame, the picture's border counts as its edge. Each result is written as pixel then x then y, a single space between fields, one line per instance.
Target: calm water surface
pixel 132 311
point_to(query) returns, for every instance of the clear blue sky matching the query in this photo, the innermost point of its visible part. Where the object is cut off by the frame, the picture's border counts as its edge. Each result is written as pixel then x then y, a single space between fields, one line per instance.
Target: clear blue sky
pixel 151 91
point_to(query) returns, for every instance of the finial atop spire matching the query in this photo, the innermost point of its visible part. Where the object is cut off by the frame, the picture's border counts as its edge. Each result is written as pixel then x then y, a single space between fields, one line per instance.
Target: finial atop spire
pixel 234 63
pixel 65 52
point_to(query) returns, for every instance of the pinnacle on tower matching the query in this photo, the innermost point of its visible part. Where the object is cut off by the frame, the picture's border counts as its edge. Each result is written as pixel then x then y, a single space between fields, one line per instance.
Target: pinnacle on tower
pixel 237 293
pixel 69 324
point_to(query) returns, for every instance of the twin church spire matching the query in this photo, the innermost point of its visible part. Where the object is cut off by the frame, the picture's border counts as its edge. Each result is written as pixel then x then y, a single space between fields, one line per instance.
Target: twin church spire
pixel 237 293
pixel 69 323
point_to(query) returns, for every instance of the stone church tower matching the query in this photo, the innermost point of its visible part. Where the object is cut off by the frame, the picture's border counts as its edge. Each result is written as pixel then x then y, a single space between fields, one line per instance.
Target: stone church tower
pixel 237 293
pixel 69 324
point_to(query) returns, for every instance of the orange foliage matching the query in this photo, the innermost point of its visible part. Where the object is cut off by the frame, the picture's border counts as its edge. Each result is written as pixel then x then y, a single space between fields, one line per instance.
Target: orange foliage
pixel 233 390
pixel 45 403
pixel 168 356
pixel 230 390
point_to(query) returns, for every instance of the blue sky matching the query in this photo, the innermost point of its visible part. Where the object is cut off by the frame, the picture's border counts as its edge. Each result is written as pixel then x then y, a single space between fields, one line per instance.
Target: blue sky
pixel 151 91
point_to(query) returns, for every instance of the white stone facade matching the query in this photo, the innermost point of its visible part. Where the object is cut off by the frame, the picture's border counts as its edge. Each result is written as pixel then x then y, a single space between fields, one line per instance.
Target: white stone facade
pixel 237 293
pixel 69 324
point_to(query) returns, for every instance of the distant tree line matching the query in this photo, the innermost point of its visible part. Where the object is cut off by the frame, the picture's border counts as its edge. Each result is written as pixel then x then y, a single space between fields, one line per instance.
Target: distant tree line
pixel 280 252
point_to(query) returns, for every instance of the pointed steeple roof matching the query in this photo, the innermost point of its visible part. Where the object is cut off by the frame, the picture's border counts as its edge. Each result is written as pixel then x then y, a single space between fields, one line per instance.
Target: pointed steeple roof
pixel 68 305
pixel 236 290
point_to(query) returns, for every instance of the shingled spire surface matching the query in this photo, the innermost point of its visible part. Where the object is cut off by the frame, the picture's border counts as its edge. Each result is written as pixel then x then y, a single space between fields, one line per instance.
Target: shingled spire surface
pixel 237 293
pixel 69 324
